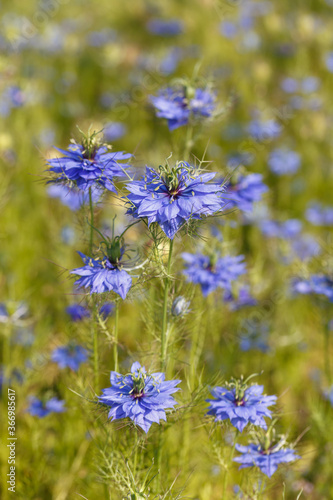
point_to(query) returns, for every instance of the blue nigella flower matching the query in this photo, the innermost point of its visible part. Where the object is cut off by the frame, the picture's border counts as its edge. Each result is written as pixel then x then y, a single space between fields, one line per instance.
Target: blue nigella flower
pixel 248 190
pixel 87 164
pixel 179 108
pixel 77 312
pixel 212 272
pixel 267 460
pixel 73 198
pixel 241 405
pixel 283 161
pixel 140 396
pixel 38 408
pixel 102 276
pixel 264 130
pixel 317 284
pixel 165 27
pixel 319 215
pixel 71 356
pixel 173 196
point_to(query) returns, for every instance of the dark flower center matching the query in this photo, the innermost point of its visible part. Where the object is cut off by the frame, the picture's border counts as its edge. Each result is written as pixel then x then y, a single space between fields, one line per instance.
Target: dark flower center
pixel 173 191
pixel 138 395
pixel 239 402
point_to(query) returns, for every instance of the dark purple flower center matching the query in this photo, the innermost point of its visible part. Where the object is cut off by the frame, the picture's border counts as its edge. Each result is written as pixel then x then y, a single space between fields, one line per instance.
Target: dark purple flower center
pixel 138 395
pixel 173 192
pixel 239 402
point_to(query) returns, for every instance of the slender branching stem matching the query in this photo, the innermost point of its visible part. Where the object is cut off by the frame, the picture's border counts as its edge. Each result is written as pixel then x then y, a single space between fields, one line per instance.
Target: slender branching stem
pixel 91 223
pixel 165 310
pixel 115 341
pixel 95 344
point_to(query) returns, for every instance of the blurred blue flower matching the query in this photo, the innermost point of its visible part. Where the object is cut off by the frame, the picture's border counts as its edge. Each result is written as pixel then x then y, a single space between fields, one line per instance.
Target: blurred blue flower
pixel 140 396
pixel 264 130
pixel 179 108
pixel 38 408
pixel 165 27
pixel 284 161
pixel 101 37
pixel 254 335
pixel 241 405
pixel 310 84
pixel 305 247
pixel 317 284
pixel 11 97
pixel 77 312
pixel 329 61
pixel 106 310
pixel 71 356
pixel 285 230
pixel 173 196
pixel 319 215
pixel 244 299
pixel 86 169
pixel 67 235
pixel 170 61
pixel 234 160
pixel 212 272
pixel 266 460
pixel 114 131
pixel 248 190
pixel 328 393
pixel 229 29
pixel 73 198
pixel 103 275
pixel 290 85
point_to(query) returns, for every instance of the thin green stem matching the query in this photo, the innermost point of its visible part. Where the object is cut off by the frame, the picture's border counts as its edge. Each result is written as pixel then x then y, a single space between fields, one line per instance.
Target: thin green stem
pixel 115 341
pixel 91 223
pixel 165 310
pixel 188 142
pixel 327 352
pixel 226 474
pixel 95 343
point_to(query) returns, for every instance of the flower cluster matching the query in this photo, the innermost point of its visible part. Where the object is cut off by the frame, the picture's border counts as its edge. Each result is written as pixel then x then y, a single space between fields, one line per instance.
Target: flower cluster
pixel 317 284
pixel 319 215
pixel 173 196
pixel 180 106
pixel 39 408
pixel 212 272
pixel 140 396
pixel 241 405
pixel 71 356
